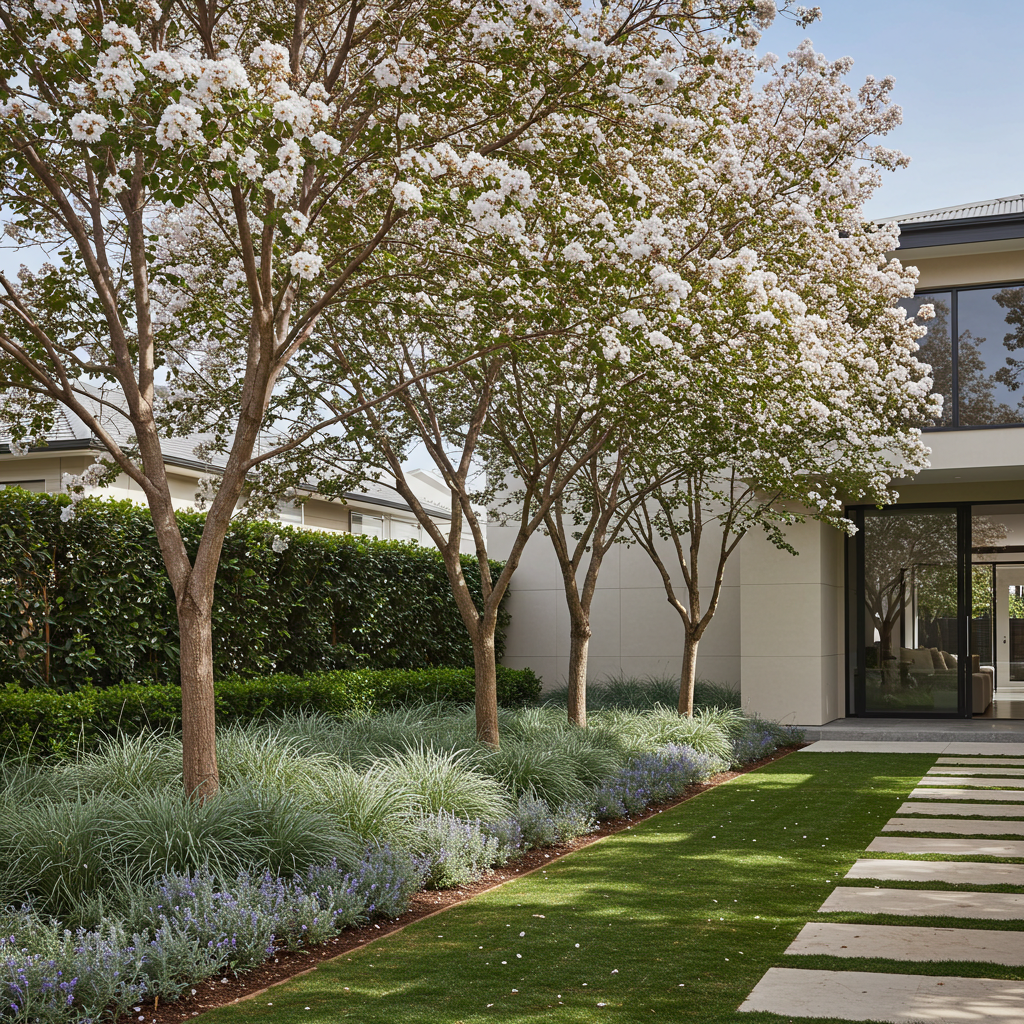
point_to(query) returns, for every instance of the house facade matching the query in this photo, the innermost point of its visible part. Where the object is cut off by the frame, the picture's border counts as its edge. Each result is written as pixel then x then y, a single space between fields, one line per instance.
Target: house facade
pixel 921 613
pixel 375 509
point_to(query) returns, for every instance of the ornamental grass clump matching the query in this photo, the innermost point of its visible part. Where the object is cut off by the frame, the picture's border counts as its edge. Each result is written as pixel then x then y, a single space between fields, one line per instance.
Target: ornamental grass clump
pixel 439 780
pixel 64 854
pixel 644 693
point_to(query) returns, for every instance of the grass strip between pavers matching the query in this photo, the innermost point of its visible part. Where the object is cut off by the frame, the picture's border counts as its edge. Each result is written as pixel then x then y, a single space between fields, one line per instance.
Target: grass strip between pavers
pixel 675 919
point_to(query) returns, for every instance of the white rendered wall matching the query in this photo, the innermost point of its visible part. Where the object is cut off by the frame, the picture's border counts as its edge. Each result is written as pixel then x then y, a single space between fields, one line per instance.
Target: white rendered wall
pixel 635 630
pixel 791 626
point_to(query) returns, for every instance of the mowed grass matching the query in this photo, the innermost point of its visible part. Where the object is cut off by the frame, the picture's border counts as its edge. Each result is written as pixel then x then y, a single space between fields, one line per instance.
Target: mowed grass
pixel 675 919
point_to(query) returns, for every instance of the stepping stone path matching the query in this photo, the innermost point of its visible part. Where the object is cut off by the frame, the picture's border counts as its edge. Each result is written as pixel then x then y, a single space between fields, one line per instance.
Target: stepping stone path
pixel 979 796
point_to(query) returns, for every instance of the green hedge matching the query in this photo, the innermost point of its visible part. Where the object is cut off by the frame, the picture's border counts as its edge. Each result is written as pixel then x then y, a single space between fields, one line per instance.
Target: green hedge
pixel 45 722
pixel 87 602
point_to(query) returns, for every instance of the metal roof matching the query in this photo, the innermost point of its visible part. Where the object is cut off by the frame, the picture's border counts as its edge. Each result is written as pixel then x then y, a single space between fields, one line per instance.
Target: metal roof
pixel 1005 206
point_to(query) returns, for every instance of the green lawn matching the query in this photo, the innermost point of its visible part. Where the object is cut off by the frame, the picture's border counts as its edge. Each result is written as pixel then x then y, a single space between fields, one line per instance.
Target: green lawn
pixel 675 919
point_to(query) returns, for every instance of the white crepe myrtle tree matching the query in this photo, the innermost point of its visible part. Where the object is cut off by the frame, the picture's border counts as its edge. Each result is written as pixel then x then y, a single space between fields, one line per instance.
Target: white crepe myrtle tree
pixel 212 179
pixel 785 373
pixel 803 387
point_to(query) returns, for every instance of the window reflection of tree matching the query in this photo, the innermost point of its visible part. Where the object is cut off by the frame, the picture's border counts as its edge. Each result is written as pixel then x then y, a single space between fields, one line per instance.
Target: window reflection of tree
pixel 905 550
pixel 977 379
pixel 1012 300
pixel 937 349
pixel 894 545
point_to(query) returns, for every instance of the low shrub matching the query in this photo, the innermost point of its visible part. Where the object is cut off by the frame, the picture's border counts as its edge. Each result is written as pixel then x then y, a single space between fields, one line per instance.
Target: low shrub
pixel 451 850
pixel 47 722
pixel 541 826
pixel 754 738
pixel 654 778
pixel 51 975
pixel 384 881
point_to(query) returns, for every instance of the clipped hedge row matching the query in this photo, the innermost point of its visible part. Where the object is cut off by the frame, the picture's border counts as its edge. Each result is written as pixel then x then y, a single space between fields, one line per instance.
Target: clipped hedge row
pixel 87 602
pixel 45 722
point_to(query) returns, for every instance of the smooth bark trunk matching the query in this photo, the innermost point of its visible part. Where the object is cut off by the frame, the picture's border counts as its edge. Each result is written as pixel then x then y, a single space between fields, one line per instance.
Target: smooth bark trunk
pixel 579 648
pixel 486 671
pixel 688 676
pixel 198 714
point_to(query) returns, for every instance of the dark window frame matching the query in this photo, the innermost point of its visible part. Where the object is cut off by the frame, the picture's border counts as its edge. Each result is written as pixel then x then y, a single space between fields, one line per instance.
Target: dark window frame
pixel 954 329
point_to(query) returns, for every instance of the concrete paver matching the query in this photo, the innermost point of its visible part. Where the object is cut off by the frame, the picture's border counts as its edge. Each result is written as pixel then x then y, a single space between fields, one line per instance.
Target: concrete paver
pixel 900 942
pixel 979 906
pixel 964 827
pixel 956 872
pixel 971 780
pixel 954 847
pixel 934 807
pixel 980 760
pixel 900 998
pixel 927 793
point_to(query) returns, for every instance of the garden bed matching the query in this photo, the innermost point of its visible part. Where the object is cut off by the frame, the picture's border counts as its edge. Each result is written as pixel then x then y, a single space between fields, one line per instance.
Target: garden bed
pixel 287 964
pixel 323 833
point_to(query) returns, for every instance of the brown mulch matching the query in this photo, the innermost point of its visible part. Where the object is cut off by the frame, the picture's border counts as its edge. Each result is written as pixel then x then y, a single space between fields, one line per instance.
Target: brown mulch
pixel 288 964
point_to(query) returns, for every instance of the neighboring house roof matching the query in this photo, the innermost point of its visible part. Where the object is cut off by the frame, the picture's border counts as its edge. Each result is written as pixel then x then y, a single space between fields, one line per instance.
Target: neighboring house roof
pixel 989 220
pixel 70 433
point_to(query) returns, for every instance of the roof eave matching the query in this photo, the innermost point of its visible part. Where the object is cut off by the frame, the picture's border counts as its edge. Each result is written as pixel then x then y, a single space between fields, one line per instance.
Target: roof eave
pixel 967 230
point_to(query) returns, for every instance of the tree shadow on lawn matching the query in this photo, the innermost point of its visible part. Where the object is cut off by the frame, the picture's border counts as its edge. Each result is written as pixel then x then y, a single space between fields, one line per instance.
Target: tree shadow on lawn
pixel 676 918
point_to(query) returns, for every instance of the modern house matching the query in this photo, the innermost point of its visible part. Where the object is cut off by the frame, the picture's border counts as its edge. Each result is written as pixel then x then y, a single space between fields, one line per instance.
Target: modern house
pixel 921 613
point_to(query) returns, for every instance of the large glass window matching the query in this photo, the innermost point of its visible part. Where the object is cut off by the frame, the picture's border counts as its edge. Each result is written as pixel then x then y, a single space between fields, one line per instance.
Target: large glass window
pixel 990 329
pixel 975 345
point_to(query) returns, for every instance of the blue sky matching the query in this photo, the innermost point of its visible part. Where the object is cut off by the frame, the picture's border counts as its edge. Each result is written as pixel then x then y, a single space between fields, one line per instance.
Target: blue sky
pixel 959 71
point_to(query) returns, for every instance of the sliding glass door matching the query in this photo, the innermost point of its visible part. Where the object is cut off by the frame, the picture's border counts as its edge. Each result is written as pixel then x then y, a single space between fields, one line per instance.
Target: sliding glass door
pixel 911 599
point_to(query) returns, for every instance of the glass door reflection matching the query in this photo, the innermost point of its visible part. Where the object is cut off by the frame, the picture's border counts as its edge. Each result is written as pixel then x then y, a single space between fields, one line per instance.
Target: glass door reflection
pixel 910 611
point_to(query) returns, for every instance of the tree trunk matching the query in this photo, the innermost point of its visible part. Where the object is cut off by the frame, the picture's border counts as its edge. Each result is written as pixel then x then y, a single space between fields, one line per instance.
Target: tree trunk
pixel 579 647
pixel 688 676
pixel 198 711
pixel 486 672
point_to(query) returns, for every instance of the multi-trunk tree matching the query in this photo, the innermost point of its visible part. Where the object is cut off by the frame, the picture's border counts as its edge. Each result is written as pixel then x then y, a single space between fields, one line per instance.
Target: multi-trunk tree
pixel 788 378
